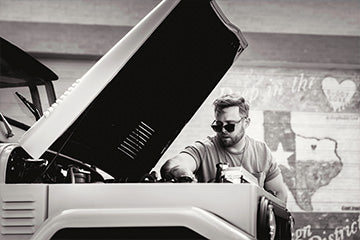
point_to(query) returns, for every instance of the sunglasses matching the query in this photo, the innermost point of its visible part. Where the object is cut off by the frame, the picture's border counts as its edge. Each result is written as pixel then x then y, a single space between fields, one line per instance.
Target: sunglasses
pixel 217 126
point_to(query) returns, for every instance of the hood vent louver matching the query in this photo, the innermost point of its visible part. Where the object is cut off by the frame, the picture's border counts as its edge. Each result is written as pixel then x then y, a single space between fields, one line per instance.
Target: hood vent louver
pixel 136 140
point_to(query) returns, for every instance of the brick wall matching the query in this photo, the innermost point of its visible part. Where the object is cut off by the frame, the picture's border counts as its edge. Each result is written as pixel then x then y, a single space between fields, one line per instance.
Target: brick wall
pixel 298 83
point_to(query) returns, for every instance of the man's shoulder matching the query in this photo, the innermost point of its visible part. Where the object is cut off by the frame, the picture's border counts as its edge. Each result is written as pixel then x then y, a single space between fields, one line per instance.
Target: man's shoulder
pixel 201 147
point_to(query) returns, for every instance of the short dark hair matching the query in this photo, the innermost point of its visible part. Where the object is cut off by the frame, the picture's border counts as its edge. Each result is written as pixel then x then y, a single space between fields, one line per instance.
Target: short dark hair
pixel 231 100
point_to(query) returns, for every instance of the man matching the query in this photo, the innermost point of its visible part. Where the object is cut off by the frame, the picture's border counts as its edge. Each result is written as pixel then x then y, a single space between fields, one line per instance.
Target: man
pixel 230 145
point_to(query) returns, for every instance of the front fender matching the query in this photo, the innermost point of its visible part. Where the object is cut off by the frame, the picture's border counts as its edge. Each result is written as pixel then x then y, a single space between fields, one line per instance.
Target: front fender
pixel 196 219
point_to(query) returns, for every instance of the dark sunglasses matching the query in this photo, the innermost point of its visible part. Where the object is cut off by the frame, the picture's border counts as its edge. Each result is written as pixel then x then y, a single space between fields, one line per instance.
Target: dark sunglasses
pixel 217 126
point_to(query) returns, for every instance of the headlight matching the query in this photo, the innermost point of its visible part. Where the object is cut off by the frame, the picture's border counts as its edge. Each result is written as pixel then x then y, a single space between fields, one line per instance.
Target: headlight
pixel 266 224
pixel 271 222
pixel 292 227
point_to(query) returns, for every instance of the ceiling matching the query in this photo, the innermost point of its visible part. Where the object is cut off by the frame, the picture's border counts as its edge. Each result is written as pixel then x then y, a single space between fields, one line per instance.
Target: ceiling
pixel 324 17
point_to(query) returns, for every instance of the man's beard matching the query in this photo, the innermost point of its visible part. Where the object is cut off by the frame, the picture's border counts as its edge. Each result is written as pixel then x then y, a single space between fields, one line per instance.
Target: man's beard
pixel 229 141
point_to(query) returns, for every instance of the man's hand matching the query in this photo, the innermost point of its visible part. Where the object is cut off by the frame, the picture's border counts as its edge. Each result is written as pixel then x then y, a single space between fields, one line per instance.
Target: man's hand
pixel 178 170
pixel 180 174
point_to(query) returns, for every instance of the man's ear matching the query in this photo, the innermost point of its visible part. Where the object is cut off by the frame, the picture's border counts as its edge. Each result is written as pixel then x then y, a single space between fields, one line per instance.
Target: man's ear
pixel 247 122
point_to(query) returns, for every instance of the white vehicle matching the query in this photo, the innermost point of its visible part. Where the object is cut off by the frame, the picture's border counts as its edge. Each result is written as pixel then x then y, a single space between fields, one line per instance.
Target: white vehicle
pixel 82 170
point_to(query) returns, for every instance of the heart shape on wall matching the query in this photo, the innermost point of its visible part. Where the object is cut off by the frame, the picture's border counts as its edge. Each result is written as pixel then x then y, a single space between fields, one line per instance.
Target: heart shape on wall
pixel 338 94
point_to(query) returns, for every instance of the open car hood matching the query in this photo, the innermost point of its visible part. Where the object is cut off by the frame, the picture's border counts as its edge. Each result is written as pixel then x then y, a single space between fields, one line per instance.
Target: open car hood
pixel 126 110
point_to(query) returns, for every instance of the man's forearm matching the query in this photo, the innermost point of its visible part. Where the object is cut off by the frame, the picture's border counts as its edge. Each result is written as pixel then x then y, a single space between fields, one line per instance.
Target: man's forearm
pixel 282 195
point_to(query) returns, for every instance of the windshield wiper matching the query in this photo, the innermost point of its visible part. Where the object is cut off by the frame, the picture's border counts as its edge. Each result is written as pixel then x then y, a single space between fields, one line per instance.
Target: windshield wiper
pixel 8 128
pixel 33 109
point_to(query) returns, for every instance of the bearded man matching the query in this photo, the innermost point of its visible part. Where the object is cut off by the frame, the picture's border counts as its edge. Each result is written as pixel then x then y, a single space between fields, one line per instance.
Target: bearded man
pixel 229 145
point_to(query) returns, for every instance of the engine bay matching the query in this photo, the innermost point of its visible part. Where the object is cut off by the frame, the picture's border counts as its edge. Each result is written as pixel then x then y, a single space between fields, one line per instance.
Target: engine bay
pixel 54 167
pixel 51 168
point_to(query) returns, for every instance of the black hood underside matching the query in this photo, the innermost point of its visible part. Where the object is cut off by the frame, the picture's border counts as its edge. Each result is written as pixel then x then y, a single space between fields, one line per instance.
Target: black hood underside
pixel 130 124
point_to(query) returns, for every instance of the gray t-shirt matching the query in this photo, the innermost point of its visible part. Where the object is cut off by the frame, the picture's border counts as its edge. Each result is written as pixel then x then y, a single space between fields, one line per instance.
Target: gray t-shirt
pixel 256 158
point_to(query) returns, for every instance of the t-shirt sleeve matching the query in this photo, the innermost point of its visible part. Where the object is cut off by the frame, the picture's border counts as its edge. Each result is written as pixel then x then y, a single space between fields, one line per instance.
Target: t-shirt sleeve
pixel 273 167
pixel 197 151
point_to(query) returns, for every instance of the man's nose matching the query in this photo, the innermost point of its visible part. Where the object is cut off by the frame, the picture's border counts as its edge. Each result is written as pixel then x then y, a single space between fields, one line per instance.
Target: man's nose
pixel 224 131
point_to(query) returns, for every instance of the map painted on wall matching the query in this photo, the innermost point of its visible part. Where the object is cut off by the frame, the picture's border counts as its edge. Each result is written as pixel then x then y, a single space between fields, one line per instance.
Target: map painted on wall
pixel 306 162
